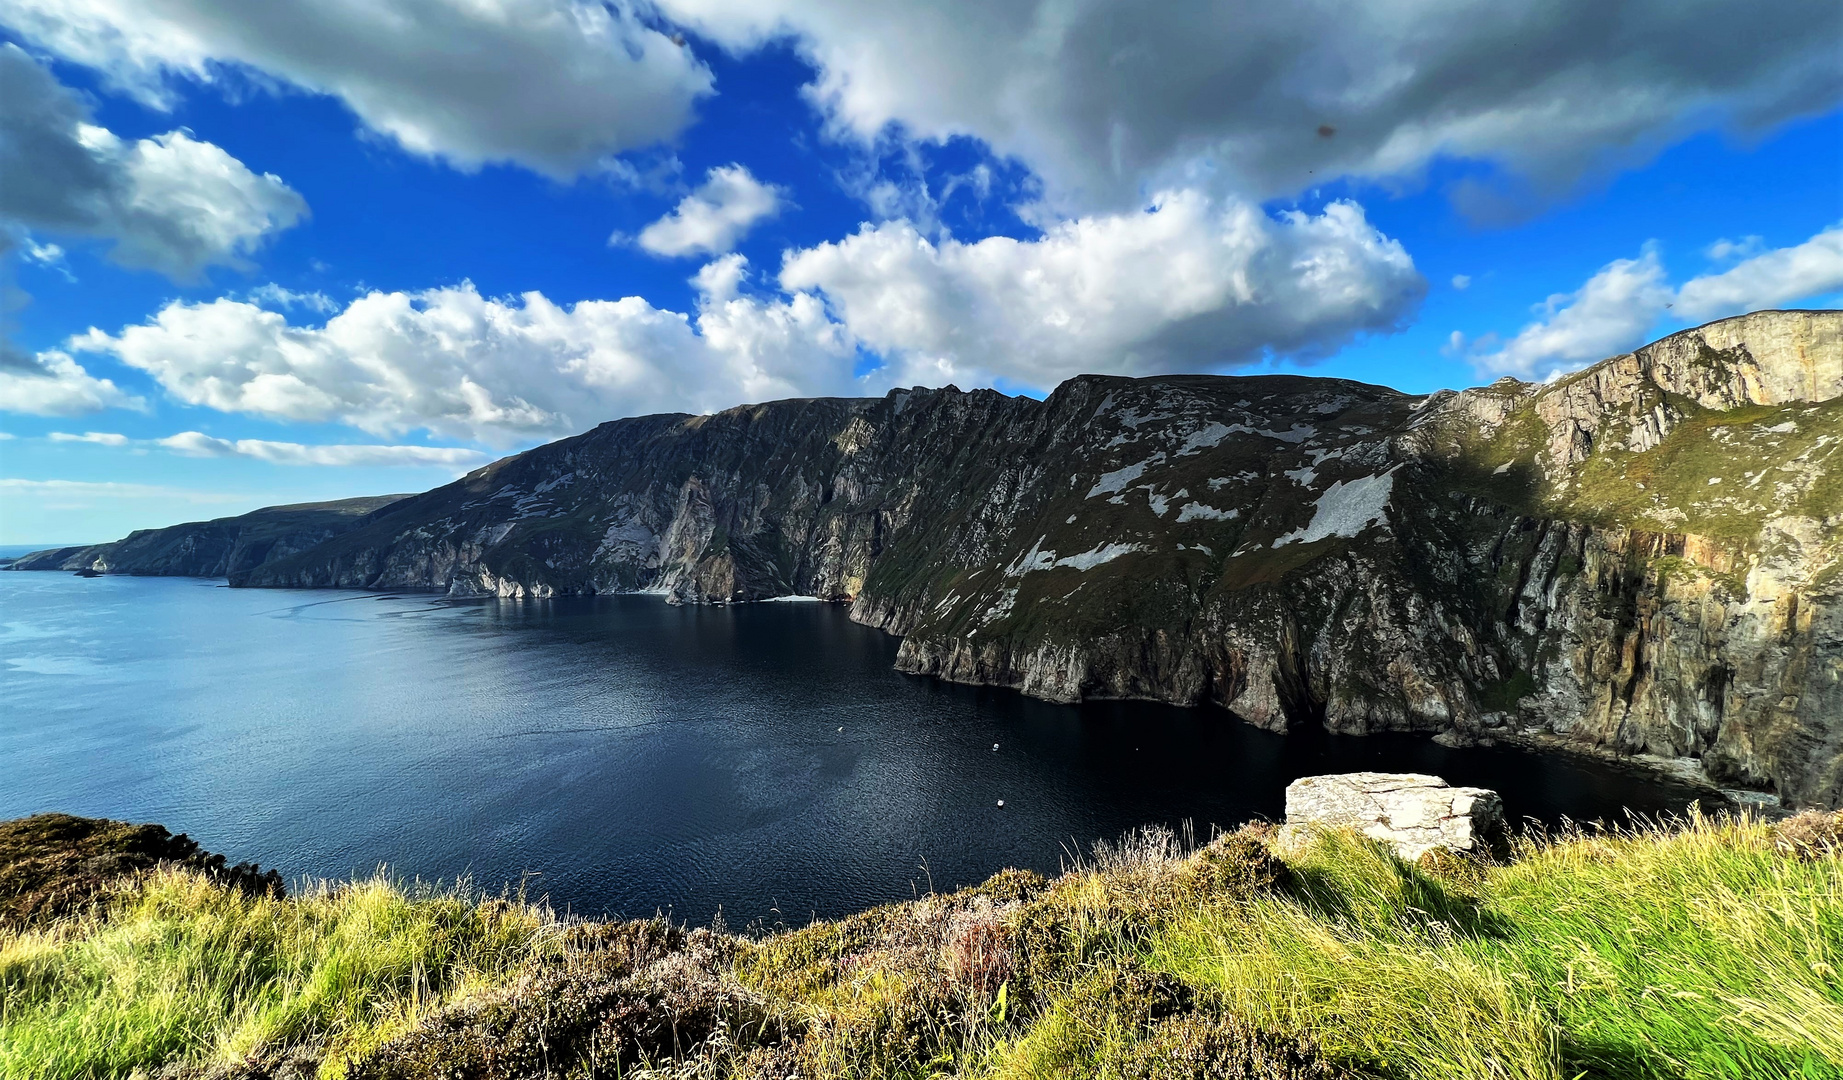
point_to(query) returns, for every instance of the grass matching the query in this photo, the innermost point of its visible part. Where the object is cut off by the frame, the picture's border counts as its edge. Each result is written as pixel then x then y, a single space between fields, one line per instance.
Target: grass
pixel 182 968
pixel 1708 948
pixel 1696 953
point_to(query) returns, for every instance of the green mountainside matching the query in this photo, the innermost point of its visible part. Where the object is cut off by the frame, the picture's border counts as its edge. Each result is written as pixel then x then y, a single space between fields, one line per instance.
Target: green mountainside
pixel 1641 558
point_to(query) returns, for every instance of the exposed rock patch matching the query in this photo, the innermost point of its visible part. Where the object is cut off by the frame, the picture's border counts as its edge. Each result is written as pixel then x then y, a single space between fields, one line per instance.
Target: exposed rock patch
pixel 1412 812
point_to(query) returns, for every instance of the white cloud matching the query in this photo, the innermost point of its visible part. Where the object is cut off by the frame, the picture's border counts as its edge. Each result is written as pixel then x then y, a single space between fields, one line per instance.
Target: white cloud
pixel 1109 99
pixel 1462 282
pixel 169 203
pixel 100 438
pixel 713 218
pixel 53 384
pixel 273 295
pixel 554 85
pixel 1768 280
pixel 1725 249
pixel 1608 315
pixel 1189 283
pixel 111 490
pixel 461 365
pixel 43 254
pixel 1617 308
pixel 198 444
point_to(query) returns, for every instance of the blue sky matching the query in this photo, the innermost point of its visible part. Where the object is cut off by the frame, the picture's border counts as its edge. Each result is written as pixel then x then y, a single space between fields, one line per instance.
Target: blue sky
pixel 302 254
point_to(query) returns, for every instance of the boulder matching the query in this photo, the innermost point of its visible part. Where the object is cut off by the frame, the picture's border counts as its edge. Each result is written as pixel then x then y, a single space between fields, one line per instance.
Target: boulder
pixel 1413 812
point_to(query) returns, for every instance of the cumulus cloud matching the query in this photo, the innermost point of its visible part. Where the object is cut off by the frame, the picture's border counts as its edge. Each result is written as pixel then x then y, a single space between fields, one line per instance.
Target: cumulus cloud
pixel 553 85
pixel 1190 283
pixel 273 295
pixel 503 370
pixel 169 203
pixel 1767 280
pixel 1109 99
pixel 53 384
pixel 1615 311
pixel 1725 250
pixel 713 218
pixel 1608 315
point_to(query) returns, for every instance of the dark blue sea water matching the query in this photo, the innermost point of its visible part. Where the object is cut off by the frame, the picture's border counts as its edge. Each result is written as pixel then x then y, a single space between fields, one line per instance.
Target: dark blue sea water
pixel 621 755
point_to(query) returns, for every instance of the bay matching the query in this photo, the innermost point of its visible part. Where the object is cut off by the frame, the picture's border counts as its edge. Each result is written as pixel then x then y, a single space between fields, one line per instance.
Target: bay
pixel 620 755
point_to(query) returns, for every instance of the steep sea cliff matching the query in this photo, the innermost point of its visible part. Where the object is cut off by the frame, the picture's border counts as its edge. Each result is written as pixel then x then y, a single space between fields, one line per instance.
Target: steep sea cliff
pixel 1641 558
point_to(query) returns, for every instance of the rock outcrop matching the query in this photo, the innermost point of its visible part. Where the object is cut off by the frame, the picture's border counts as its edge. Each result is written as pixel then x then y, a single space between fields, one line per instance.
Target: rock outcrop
pixel 1411 812
pixel 1640 559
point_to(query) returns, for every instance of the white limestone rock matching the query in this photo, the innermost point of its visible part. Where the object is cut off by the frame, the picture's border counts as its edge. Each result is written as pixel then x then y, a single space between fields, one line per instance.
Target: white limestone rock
pixel 1413 812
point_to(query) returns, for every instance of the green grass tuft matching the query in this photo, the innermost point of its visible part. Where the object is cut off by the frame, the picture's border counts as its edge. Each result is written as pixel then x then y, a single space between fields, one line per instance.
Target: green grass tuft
pixel 184 970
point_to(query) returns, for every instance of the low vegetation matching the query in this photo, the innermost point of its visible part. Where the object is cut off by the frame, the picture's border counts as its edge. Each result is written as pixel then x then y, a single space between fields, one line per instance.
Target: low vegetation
pixel 1707 948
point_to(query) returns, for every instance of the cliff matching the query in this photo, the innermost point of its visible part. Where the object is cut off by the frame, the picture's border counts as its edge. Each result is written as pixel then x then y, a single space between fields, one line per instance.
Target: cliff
pixel 1638 559
pixel 214 548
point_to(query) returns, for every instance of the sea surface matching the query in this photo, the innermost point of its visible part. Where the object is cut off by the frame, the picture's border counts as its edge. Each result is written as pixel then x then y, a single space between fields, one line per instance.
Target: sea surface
pixel 621 755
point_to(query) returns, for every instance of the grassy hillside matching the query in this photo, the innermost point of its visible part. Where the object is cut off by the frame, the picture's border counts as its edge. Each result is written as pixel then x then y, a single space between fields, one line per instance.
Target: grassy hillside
pixel 1707 949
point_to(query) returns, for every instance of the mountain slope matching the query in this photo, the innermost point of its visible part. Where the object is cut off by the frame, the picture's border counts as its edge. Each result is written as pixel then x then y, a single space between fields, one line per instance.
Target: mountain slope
pixel 1641 558
pixel 213 548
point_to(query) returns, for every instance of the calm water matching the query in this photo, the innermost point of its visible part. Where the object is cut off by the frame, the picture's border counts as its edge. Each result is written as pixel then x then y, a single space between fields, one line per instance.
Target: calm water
pixel 620 754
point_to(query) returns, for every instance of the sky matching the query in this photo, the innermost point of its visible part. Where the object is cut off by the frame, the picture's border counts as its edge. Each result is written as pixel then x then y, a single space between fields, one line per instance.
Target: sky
pixel 254 254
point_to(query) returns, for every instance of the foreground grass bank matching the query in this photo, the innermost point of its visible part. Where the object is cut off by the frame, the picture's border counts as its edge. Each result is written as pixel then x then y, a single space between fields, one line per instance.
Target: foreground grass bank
pixel 1708 949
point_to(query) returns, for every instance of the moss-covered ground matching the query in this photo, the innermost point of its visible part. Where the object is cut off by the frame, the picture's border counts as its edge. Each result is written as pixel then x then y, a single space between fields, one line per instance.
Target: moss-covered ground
pixel 1695 949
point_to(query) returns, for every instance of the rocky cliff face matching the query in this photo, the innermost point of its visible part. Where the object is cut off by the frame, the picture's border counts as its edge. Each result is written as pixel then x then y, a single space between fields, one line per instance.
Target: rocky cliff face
pixel 1641 558
pixel 213 548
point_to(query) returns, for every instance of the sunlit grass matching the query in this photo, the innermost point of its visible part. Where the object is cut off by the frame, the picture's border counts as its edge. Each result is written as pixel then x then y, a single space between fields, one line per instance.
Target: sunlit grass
pixel 1708 950
pixel 185 970
pixel 1700 953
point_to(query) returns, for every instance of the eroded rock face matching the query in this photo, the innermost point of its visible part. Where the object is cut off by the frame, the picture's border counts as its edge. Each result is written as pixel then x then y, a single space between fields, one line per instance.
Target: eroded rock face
pixel 1412 812
pixel 1643 558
